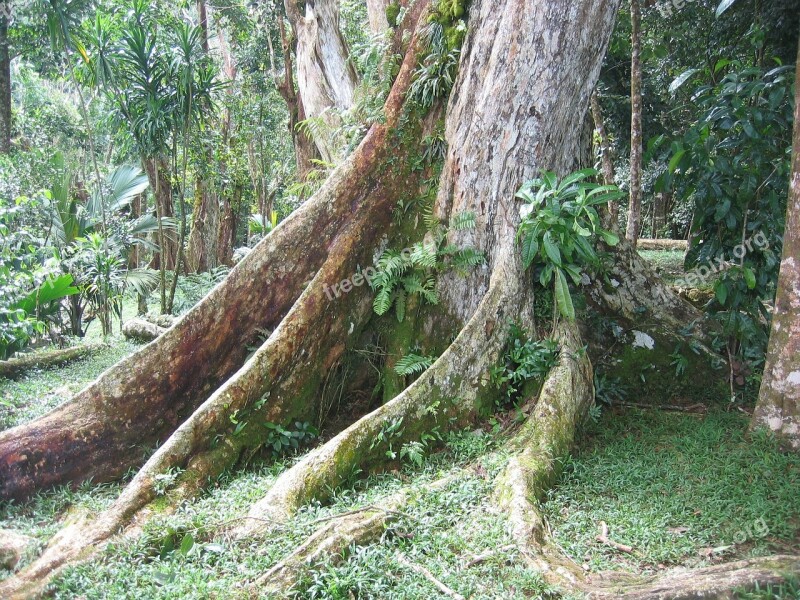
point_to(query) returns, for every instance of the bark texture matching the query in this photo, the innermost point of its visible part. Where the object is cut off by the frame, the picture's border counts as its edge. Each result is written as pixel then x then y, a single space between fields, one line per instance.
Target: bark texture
pixel 12 548
pixel 158 173
pixel 305 149
pixel 376 12
pixel 635 202
pixel 326 78
pixel 778 407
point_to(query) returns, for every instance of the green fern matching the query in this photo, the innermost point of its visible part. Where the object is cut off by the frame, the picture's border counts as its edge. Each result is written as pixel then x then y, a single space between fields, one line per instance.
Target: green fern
pixel 413 364
pixel 463 221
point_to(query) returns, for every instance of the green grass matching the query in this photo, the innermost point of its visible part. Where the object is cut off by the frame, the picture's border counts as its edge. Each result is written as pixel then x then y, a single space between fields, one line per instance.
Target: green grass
pixel 440 530
pixel 669 263
pixel 677 488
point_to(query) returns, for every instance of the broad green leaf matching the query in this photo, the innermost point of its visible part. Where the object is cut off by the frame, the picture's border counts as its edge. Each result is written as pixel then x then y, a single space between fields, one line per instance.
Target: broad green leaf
pixel 563 297
pixel 749 277
pixel 530 247
pixel 676 159
pixel 609 238
pixel 721 291
pixel 550 248
pixel 681 79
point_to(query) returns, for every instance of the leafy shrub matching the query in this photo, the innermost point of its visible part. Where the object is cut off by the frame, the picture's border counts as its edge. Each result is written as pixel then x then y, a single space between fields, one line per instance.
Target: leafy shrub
pixel 559 221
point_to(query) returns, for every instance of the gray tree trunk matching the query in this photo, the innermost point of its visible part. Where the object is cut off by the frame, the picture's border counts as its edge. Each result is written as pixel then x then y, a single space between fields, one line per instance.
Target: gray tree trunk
pixel 5 79
pixel 325 77
pixel 635 203
pixel 778 407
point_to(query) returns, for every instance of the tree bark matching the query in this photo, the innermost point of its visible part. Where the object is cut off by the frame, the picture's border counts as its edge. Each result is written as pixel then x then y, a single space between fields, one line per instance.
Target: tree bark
pixel 605 152
pixel 778 407
pixel 158 172
pixel 305 149
pixel 635 202
pixel 326 78
pixel 202 249
pixel 5 79
pixel 376 12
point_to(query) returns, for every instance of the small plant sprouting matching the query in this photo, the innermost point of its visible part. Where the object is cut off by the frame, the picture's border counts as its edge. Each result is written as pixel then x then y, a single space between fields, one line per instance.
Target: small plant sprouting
pixel 524 360
pixel 281 439
pixel 413 271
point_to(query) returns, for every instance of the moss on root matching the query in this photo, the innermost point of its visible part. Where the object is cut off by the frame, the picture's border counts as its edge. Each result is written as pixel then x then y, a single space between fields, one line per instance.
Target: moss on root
pixel 672 369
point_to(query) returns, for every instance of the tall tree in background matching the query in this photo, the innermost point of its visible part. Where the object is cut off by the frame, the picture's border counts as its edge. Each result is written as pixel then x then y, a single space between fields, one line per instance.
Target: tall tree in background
pixel 376 12
pixel 202 249
pixel 326 79
pixel 5 78
pixel 778 407
pixel 635 201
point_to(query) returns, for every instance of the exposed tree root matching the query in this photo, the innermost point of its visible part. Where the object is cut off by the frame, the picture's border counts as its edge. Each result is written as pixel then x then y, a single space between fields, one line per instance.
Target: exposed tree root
pixel 545 439
pixel 15 367
pixel 332 542
pixel 450 392
pixel 139 329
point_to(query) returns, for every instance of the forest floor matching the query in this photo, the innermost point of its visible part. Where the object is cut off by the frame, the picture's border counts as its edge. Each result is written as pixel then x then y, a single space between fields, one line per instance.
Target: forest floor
pixel 679 488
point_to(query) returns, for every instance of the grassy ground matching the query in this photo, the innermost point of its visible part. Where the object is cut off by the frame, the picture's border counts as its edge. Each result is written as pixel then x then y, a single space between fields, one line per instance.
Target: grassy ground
pixel 681 489
pixel 669 263
pixel 678 488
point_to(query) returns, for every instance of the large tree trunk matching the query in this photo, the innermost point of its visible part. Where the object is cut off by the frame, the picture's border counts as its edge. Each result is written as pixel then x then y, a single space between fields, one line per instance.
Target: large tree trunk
pixel 5 79
pixel 635 201
pixel 305 150
pixel 778 406
pixel 326 78
pixel 512 113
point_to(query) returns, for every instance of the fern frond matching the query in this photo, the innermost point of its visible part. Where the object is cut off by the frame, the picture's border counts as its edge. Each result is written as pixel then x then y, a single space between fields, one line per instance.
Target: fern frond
pixel 382 302
pixel 412 364
pixel 463 221
pixel 423 256
pixel 400 305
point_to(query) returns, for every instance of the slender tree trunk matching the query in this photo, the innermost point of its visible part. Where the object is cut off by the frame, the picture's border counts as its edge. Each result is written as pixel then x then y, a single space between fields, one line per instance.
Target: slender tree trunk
pixel 201 251
pixel 778 407
pixel 326 78
pixel 5 79
pixel 158 171
pixel 635 202
pixel 605 151
pixel 202 14
pixel 226 238
pixel 304 147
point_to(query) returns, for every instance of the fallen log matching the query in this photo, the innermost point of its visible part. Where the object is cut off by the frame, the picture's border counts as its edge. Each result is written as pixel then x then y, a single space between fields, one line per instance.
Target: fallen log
pixel 40 360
